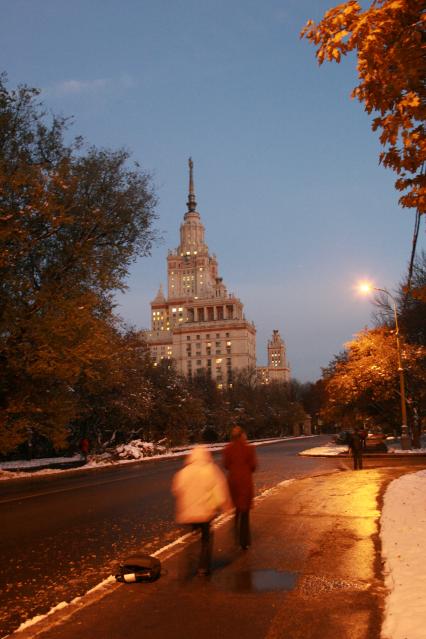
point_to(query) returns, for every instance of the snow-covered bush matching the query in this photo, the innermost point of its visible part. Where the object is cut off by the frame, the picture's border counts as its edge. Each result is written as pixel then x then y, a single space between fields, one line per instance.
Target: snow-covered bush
pixel 137 449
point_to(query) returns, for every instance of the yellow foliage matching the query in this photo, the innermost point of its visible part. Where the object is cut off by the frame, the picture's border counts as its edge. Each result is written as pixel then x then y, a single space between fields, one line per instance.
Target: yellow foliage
pixel 391 50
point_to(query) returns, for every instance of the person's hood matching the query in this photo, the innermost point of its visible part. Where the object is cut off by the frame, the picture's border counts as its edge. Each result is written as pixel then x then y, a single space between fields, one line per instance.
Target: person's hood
pixel 199 455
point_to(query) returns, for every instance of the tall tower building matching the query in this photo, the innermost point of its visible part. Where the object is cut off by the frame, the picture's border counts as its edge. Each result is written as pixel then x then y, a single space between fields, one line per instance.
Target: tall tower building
pixel 199 324
pixel 277 369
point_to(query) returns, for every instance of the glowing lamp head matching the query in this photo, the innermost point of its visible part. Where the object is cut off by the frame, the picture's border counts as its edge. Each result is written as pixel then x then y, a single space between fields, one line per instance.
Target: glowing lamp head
pixel 365 288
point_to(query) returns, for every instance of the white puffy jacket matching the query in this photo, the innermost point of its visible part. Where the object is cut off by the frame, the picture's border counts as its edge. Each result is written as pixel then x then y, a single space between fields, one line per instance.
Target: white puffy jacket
pixel 200 488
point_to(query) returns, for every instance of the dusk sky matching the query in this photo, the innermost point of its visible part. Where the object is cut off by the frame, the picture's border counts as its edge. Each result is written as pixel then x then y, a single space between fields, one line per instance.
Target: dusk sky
pixel 294 202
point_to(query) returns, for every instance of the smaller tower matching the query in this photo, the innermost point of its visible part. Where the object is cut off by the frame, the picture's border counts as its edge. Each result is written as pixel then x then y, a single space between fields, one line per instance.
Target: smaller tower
pixel 277 369
pixel 276 351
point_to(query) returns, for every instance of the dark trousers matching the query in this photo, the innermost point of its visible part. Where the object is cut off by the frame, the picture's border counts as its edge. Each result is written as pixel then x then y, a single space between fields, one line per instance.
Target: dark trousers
pixel 204 563
pixel 357 455
pixel 242 527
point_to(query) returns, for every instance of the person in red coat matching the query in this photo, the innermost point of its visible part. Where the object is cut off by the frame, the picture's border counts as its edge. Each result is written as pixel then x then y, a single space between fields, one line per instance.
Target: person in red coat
pixel 239 459
pixel 84 447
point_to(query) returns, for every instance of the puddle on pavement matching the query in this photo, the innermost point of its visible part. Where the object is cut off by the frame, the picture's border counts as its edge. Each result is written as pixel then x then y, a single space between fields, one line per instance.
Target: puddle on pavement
pixel 257 581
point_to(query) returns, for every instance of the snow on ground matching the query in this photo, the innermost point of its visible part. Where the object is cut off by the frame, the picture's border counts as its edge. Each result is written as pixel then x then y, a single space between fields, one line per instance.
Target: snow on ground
pixel 403 534
pixel 412 451
pixel 403 528
pixel 331 451
pixel 137 450
pixel 35 463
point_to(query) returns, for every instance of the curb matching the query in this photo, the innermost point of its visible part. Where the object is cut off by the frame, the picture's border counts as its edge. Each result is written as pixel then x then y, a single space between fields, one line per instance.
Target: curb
pixel 370 455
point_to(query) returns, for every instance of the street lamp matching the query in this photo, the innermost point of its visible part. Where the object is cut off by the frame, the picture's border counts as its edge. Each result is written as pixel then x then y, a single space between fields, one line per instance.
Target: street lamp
pixel 366 288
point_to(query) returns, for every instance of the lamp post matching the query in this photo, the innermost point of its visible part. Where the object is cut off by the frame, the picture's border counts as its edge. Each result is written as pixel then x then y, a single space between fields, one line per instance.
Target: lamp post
pixel 405 440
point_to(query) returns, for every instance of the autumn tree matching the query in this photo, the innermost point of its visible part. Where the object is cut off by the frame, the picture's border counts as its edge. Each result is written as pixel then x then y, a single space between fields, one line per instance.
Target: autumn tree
pixel 218 415
pixel 389 40
pixel 71 222
pixel 116 394
pixel 264 410
pixel 309 395
pixel 176 414
pixel 364 384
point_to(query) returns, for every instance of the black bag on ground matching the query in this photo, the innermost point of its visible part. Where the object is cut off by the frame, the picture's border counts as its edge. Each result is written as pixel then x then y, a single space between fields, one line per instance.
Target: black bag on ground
pixel 139 568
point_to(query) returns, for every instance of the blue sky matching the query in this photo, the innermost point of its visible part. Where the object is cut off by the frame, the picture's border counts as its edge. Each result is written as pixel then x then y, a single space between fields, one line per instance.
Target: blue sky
pixel 287 179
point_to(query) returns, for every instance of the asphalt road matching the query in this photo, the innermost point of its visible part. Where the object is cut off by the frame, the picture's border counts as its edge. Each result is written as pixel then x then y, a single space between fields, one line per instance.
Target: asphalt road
pixel 63 534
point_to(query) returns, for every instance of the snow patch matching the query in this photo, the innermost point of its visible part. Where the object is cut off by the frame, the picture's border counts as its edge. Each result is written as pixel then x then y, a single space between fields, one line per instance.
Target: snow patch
pixel 403 533
pixel 331 451
pixel 137 450
pixel 412 451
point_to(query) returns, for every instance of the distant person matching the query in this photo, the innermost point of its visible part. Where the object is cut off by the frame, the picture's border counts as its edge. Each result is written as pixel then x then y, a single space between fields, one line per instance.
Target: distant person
pixel 200 490
pixel 239 459
pixel 355 446
pixel 363 434
pixel 84 447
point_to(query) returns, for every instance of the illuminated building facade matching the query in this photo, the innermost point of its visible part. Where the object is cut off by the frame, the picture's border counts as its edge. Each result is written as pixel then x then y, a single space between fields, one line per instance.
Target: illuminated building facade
pixel 277 369
pixel 198 323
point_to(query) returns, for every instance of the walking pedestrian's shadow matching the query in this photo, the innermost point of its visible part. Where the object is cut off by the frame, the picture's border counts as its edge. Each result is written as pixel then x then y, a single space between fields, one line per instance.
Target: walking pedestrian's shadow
pixel 188 566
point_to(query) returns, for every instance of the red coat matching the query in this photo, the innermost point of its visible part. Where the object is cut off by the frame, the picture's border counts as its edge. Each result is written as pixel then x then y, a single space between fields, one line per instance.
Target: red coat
pixel 239 459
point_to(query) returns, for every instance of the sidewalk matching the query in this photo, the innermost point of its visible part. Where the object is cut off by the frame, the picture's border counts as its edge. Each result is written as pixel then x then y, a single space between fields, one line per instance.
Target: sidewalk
pixel 314 571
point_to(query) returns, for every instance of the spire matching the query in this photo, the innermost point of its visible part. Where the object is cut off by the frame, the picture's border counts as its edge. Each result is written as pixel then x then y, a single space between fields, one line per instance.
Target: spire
pixel 159 298
pixel 191 204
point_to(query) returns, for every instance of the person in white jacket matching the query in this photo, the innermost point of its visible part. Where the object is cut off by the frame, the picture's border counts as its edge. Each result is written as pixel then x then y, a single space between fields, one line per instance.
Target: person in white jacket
pixel 201 491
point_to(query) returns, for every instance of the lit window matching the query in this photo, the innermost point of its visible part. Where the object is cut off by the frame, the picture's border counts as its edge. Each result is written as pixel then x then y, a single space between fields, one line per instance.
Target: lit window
pixel 173 310
pixel 219 361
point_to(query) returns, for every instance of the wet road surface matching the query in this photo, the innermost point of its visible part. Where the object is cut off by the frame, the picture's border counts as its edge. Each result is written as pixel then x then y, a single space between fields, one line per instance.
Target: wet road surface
pixel 313 571
pixel 61 535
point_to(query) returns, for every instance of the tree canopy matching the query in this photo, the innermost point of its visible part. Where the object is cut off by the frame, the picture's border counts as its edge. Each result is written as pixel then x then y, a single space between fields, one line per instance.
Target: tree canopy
pixel 362 382
pixel 389 38
pixel 71 222
pixel 390 43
